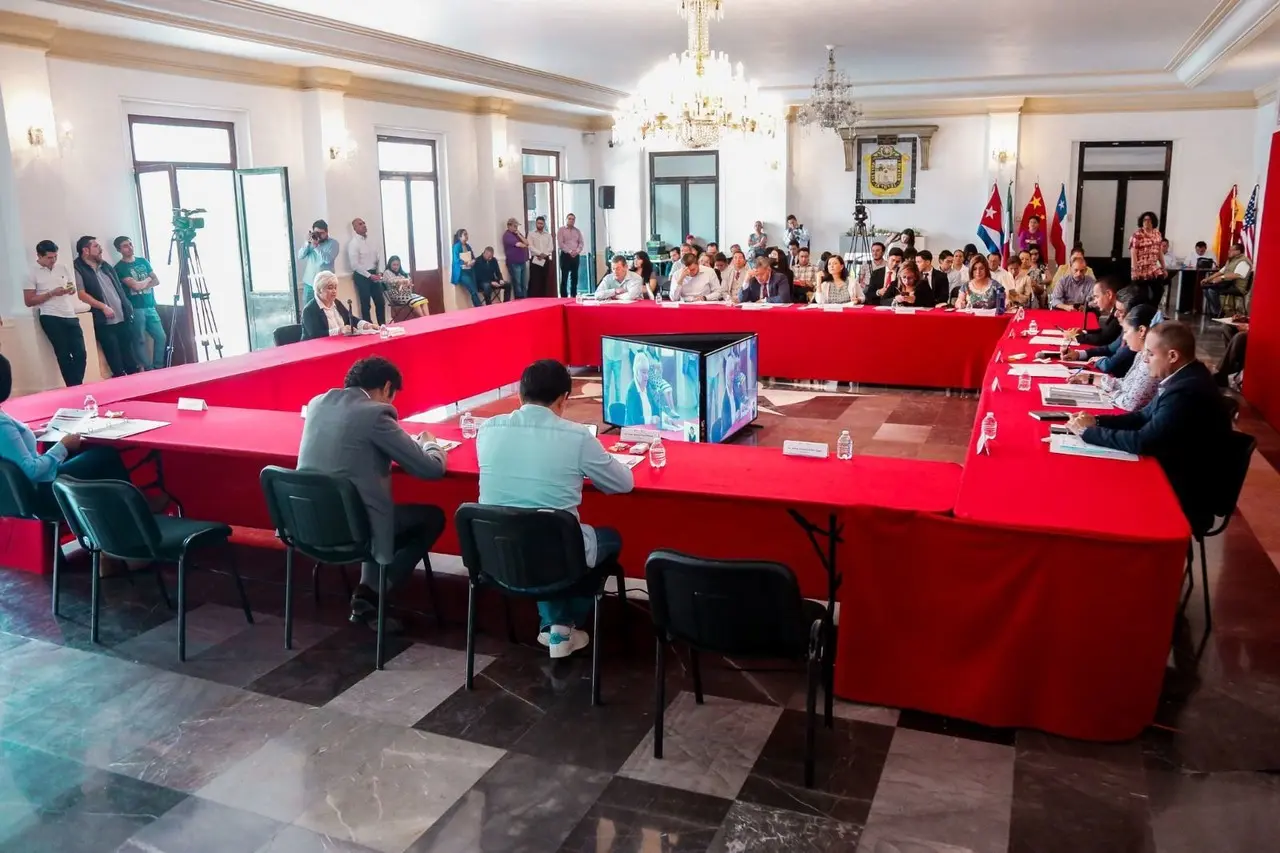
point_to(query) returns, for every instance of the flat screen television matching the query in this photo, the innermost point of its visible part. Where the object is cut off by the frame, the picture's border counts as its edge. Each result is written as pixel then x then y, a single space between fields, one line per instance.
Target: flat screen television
pixel 688 387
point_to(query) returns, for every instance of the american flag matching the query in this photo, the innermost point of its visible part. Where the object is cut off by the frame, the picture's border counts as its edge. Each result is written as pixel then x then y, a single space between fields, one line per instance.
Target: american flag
pixel 1249 233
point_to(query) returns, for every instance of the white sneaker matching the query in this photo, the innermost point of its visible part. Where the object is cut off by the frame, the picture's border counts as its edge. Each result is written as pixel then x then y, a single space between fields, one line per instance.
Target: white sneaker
pixel 564 641
pixel 544 638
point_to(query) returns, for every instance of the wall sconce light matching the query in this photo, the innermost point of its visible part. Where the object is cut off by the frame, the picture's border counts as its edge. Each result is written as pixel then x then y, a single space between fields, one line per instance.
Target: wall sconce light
pixel 501 164
pixel 35 136
pixel 1002 157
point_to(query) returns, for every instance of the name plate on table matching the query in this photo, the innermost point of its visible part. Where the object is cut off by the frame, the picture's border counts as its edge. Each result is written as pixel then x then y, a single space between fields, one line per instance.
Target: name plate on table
pixel 668 304
pixel 192 404
pixel 899 309
pixel 812 449
pixel 638 435
pixel 839 309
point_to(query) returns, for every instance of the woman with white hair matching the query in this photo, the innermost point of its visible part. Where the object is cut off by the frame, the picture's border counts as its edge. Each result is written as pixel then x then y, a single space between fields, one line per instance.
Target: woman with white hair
pixel 325 315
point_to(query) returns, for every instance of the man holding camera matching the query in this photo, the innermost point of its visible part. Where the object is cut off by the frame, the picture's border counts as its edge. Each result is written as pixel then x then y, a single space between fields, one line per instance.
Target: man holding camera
pixel 316 256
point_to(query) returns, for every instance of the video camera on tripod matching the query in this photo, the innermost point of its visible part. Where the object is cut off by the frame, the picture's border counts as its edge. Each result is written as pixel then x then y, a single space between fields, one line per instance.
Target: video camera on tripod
pixel 186 224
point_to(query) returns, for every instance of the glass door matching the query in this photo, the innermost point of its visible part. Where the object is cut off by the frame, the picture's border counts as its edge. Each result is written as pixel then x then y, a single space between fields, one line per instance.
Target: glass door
pixel 578 198
pixel 266 252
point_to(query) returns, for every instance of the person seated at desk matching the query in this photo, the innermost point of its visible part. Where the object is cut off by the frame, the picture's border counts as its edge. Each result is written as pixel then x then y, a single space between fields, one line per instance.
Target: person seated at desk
pixel 1138 386
pixel 693 282
pixel 353 432
pixel 1107 300
pixel 400 288
pixel 325 316
pixel 910 291
pixel 1114 358
pixel 648 273
pixel 1064 270
pixel 1072 292
pixel 804 277
pixel 621 283
pixel 1186 417
pixel 999 274
pixel 1230 372
pixel 980 292
pixel 836 288
pixel 881 282
pixel 765 284
pixel 1230 279
pixel 488 276
pixel 735 275
pixel 535 459
pixel 18 445
pixel 1020 293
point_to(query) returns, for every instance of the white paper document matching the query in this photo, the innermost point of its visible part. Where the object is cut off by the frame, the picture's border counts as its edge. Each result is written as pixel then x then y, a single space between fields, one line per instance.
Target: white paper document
pixel 756 306
pixel 1074 396
pixel 1073 445
pixel 628 459
pixel 1044 339
pixel 114 428
pixel 1040 371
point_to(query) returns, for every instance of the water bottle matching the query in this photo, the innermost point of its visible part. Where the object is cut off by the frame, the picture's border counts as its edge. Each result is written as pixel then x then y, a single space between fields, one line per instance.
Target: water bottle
pixel 989 427
pixel 90 405
pixel 468 424
pixel 844 445
pixel 1000 299
pixel 1024 382
pixel 1033 328
pixel 657 454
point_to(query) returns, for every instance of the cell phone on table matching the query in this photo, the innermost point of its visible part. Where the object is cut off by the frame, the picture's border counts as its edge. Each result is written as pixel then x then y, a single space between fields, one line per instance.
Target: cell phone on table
pixel 1046 415
pixel 1059 429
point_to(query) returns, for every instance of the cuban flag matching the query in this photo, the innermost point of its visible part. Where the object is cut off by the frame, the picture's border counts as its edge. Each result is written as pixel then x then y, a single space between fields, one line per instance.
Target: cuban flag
pixel 991 228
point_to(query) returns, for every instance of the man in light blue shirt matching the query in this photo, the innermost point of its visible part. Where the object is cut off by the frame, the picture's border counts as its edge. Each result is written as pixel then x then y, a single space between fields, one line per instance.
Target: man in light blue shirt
pixel 622 283
pixel 316 256
pixel 535 459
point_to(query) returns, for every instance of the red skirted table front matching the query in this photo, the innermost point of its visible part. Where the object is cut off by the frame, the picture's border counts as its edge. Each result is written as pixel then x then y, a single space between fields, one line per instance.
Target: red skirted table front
pixel 925 349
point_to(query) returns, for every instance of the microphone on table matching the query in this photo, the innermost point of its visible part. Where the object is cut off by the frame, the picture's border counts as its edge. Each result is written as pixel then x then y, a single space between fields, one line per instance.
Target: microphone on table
pixel 351 317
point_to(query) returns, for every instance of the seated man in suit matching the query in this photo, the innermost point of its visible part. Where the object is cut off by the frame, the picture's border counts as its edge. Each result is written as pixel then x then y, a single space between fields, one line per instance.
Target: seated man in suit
pixel 326 315
pixel 1186 417
pixel 880 285
pixel 1106 298
pixel 535 459
pixel 1114 359
pixel 935 278
pixel 765 284
pixel 352 432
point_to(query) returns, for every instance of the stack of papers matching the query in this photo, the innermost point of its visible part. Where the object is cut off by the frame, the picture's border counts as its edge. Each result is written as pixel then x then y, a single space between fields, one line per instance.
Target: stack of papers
pixel 631 460
pixel 1040 371
pixel 1074 396
pixel 77 422
pixel 1073 445
pixel 1047 339
pixel 756 306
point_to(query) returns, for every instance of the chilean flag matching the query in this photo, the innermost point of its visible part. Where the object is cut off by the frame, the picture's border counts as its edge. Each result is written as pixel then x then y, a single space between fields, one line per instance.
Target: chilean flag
pixel 1055 230
pixel 991 228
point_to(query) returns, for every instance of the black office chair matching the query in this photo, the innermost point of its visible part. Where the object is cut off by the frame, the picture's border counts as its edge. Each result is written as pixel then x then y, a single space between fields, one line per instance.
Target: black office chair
pixel 324 517
pixel 1235 458
pixel 285 335
pixel 532 553
pixel 737 608
pixel 112 517
pixel 20 499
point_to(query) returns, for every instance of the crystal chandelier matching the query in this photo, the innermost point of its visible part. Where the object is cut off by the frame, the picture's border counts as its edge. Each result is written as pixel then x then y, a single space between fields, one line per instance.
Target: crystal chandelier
pixel 695 98
pixel 830 105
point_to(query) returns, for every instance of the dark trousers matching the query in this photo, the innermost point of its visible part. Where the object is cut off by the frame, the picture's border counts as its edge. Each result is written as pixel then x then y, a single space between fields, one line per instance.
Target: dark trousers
pixel 417 529
pixel 1154 288
pixel 1213 295
pixel 369 290
pixel 116 341
pixel 568 275
pixel 92 463
pixel 67 338
pixel 540 279
pixel 1232 359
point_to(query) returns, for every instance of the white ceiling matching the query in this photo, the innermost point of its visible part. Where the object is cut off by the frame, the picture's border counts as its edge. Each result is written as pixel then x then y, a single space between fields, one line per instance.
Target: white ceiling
pixel 585 53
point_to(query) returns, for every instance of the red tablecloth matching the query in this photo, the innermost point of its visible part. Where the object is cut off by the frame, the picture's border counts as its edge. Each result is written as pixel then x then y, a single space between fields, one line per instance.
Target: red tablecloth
pixel 854 345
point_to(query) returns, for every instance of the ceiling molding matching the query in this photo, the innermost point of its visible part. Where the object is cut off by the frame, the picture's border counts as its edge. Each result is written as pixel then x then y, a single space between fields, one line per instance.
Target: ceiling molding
pixel 1245 21
pixel 1197 38
pixel 1267 93
pixel 247 20
pixel 26 31
pixel 1139 103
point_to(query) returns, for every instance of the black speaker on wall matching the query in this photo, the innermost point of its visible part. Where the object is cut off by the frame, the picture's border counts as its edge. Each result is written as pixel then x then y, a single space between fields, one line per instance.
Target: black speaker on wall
pixel 606 198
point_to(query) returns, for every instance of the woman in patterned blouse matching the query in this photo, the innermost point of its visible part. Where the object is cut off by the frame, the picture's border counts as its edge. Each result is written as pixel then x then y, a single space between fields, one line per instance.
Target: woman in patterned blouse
pixel 980 292
pixel 1138 387
pixel 835 287
pixel 1146 256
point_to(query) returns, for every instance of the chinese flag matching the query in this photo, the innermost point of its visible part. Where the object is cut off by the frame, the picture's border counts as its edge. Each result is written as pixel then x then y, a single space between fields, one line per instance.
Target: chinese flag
pixel 1227 216
pixel 1035 207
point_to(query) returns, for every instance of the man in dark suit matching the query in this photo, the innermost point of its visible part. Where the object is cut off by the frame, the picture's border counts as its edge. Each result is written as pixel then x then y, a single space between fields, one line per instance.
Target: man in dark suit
pixel 935 279
pixel 353 432
pixel 1179 427
pixel 881 286
pixel 1105 297
pixel 765 284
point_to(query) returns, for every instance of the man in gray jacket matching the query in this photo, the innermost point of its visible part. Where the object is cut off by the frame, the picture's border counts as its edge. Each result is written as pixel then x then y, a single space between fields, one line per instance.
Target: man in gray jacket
pixel 353 432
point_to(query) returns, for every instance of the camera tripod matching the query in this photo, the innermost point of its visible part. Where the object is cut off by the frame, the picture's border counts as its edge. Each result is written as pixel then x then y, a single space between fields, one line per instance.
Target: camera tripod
pixel 860 250
pixel 191 273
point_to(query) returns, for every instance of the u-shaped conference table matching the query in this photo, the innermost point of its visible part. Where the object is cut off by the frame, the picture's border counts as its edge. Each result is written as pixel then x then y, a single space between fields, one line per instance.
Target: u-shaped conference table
pixel 1020 589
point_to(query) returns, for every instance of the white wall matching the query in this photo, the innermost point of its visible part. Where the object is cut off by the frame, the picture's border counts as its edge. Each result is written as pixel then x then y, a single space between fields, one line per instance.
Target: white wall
pixel 1212 149
pixel 949 195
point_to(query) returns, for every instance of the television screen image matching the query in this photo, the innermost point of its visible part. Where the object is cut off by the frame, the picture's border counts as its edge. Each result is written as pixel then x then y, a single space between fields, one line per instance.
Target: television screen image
pixel 732 401
pixel 652 386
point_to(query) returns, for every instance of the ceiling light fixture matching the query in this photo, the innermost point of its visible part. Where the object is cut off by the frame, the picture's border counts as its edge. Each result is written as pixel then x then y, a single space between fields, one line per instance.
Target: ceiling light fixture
pixel 695 98
pixel 831 103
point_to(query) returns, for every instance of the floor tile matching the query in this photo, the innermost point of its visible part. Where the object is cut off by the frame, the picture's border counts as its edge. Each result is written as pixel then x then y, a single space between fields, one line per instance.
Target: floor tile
pixel 398 783
pixel 193 753
pixel 908 432
pixel 637 817
pixel 199 826
pixel 849 758
pixel 749 828
pixel 30 781
pixel 925 722
pixel 328 668
pixel 414 683
pixel 1223 812
pixel 295 839
pixel 844 710
pixel 522 805
pixel 940 789
pixel 707 748
pixel 207 625
pixel 250 654
pixel 47 677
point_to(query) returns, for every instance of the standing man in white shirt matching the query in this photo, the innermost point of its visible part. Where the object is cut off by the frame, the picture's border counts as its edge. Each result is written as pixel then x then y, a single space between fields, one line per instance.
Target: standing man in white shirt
pixel 51 290
pixel 366 260
pixel 693 282
pixel 572 244
pixel 621 283
pixel 542 246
